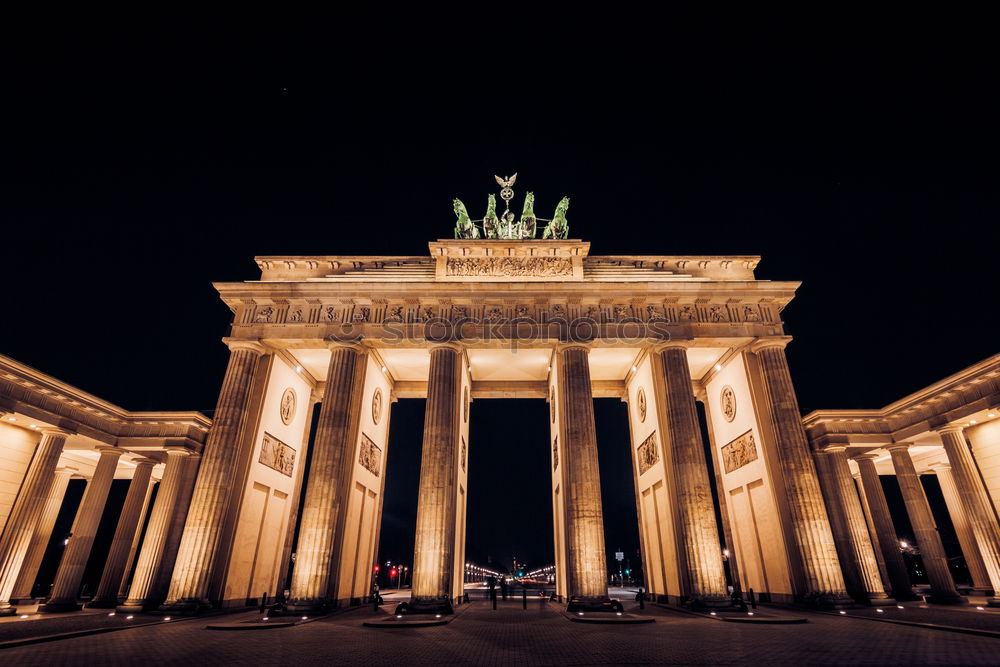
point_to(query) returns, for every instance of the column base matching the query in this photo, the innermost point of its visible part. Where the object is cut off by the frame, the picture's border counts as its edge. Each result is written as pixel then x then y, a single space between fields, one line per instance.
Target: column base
pixel 102 604
pixel 946 598
pixel 880 602
pixel 579 603
pixel 993 602
pixel 26 601
pixel 184 607
pixel 133 607
pixel 435 606
pixel 709 601
pixel 829 600
pixel 8 611
pixel 59 607
pixel 309 606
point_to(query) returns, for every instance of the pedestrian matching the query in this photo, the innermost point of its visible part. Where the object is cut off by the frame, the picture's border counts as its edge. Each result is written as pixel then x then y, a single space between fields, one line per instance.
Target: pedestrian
pixel 503 587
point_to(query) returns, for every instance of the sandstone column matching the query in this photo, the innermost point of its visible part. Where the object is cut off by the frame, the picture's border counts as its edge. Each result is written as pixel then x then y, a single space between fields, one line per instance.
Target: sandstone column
pixel 982 519
pixel 136 540
pixel 27 512
pixel 315 571
pixel 67 585
pixel 699 534
pixel 885 531
pixel 858 545
pixel 586 566
pixel 121 543
pixel 40 539
pixel 210 503
pixel 960 520
pixel 873 536
pixel 434 545
pixel 810 524
pixel 162 527
pixel 931 550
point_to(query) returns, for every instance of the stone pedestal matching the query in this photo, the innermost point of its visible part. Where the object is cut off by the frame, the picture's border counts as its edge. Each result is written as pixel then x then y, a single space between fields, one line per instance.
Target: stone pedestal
pixel 885 531
pixel 960 520
pixel 27 512
pixel 67 585
pixel 153 563
pixel 810 525
pixel 586 566
pixel 699 534
pixel 982 519
pixel 434 544
pixel 121 543
pixel 943 589
pixel 210 504
pixel 859 552
pixel 40 539
pixel 316 563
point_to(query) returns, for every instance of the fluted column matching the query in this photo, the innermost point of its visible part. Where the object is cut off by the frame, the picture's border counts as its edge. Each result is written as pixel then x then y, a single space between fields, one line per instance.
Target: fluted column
pixel 74 561
pixel 136 540
pixel 434 544
pixel 810 524
pixel 121 543
pixel 43 532
pixel 943 589
pixel 979 511
pixel 314 574
pixel 162 526
pixel 210 503
pixel 859 549
pixel 586 566
pixel 27 512
pixel 873 536
pixel 699 534
pixel 960 520
pixel 885 531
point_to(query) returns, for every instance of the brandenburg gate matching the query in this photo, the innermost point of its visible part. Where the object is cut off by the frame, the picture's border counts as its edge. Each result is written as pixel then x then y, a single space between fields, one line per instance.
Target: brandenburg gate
pixel 501 314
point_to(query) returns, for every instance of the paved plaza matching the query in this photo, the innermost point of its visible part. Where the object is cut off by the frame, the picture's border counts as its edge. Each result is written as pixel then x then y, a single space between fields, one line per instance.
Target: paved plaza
pixel 512 636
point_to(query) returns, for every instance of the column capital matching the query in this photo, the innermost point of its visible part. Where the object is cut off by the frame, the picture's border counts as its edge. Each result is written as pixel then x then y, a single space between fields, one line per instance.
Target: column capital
pixel 939 465
pixel 898 446
pixel 143 461
pixel 949 428
pixel 446 344
pixel 66 470
pixel 109 450
pixel 763 342
pixel 238 344
pixel 562 347
pixel 833 449
pixel 867 456
pixel 673 343
pixel 352 345
pixel 55 430
pixel 177 450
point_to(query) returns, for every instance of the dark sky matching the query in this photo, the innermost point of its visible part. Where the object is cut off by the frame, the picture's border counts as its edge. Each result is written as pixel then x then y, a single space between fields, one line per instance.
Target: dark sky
pixel 144 159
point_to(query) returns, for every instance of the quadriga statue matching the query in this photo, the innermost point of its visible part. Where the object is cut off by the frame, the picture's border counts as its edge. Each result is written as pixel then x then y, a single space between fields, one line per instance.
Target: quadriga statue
pixel 528 222
pixel 464 228
pixel 558 227
pixel 491 223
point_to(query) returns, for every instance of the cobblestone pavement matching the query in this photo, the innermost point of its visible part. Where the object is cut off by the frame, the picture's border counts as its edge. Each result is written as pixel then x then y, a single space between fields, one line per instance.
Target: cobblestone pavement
pixel 511 636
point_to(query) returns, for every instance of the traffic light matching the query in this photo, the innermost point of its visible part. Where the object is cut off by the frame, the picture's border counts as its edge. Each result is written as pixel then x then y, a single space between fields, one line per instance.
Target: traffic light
pixel 392 572
pixel 376 569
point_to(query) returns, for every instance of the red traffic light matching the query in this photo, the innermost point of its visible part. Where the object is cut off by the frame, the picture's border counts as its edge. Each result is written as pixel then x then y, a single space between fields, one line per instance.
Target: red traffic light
pixel 392 572
pixel 376 568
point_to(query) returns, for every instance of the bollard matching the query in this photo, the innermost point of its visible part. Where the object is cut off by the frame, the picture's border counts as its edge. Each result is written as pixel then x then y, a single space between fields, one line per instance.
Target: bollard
pixel 753 598
pixel 642 599
pixel 524 598
pixel 493 596
pixel 263 602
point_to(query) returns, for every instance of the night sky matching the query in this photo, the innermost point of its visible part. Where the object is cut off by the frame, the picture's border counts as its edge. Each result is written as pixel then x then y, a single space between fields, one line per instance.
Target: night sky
pixel 143 160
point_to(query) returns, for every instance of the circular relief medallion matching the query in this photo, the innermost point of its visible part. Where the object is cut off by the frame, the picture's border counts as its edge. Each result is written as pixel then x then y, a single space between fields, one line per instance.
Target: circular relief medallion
pixel 287 406
pixel 641 400
pixel 552 405
pixel 465 404
pixel 728 402
pixel 377 405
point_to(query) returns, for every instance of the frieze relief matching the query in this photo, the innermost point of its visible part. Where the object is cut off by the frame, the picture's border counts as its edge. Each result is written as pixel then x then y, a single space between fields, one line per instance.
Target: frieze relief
pixel 277 455
pixel 739 452
pixel 647 454
pixel 370 456
pixel 508 266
